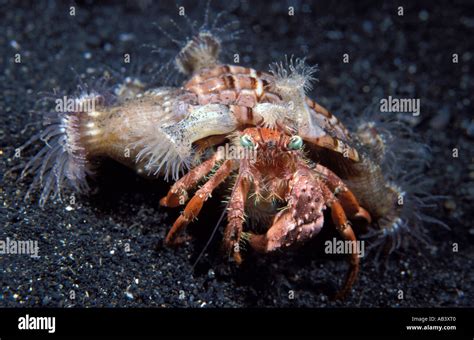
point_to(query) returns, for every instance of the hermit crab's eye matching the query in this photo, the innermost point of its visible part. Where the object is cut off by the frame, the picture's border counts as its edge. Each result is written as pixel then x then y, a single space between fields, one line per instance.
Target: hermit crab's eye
pixel 295 143
pixel 247 142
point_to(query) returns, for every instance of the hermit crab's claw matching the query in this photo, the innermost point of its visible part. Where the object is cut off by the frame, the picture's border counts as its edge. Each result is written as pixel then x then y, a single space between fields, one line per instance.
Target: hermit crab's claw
pixel 300 222
pixel 303 218
pixel 284 232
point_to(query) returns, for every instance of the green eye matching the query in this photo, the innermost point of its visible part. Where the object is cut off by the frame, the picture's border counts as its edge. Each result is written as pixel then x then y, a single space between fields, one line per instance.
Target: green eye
pixel 246 141
pixel 295 143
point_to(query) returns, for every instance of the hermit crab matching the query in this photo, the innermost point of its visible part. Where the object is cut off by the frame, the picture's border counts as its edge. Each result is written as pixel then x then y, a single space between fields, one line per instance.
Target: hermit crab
pixel 299 159
pixel 279 184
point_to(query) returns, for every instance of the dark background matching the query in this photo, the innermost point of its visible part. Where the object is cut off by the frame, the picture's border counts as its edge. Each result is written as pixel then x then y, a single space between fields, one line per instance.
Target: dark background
pixel 83 249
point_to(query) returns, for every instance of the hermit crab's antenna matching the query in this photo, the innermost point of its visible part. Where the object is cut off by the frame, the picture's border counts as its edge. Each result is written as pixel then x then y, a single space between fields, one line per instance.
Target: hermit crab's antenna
pixel 280 140
pixel 262 139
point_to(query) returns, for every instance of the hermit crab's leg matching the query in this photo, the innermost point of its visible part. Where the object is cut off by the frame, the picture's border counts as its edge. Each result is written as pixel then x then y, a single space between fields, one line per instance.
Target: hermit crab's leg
pixel 333 144
pixel 345 230
pixel 178 194
pixel 236 218
pixel 195 204
pixel 344 195
pixel 203 144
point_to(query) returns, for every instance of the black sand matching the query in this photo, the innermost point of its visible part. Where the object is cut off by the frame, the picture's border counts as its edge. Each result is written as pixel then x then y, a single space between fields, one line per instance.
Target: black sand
pixel 84 249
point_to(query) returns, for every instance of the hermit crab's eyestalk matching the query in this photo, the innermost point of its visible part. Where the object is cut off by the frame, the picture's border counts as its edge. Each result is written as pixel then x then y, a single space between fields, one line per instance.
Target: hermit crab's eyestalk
pixel 247 142
pixel 295 143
